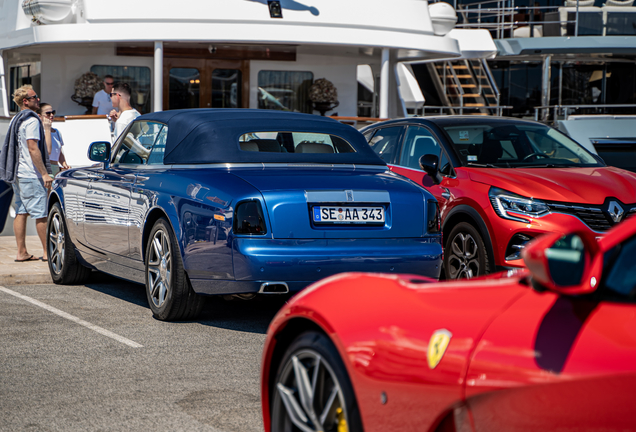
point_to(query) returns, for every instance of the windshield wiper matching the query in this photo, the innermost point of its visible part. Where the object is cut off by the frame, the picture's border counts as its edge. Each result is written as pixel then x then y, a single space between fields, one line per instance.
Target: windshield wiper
pixel 551 165
pixel 481 165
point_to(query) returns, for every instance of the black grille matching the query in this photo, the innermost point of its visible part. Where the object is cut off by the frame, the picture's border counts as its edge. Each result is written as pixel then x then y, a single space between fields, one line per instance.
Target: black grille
pixel 593 216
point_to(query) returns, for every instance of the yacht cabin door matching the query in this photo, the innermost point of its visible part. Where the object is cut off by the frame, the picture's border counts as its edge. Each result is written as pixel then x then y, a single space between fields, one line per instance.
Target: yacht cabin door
pixel 204 83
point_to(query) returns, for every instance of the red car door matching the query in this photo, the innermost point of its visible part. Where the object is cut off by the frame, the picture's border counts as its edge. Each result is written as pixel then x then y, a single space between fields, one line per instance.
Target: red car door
pixel 554 362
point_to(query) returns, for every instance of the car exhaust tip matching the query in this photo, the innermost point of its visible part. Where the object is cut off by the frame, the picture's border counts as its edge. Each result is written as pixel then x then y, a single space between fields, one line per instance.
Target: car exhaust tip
pixel 273 288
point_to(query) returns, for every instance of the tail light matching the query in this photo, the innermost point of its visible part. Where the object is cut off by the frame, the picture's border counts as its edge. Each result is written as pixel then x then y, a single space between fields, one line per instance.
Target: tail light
pixel 249 219
pixel 433 222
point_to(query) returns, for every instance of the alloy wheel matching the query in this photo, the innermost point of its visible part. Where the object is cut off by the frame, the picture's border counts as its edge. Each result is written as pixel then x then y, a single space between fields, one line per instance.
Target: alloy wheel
pixel 463 260
pixel 56 244
pixel 159 268
pixel 312 396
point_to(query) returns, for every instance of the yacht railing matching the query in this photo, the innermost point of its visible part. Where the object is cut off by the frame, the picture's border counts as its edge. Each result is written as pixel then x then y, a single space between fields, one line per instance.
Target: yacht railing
pixel 441 109
pixel 564 110
pixel 458 86
pixel 505 19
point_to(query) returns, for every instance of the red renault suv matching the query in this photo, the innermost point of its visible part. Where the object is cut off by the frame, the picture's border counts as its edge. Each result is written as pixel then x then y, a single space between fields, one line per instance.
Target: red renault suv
pixel 501 182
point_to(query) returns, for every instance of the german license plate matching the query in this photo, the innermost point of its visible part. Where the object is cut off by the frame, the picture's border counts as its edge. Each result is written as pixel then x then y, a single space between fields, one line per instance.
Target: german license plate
pixel 348 215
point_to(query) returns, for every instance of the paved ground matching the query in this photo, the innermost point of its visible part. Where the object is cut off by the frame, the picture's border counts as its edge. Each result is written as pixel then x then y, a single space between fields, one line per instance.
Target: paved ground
pixel 31 272
pixel 91 357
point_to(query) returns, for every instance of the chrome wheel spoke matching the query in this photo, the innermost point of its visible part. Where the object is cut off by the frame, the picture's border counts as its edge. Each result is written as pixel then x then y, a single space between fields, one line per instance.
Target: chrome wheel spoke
pixel 163 290
pixel 159 268
pixel 293 409
pixel 456 247
pixel 327 409
pixel 311 395
pixel 305 389
pixel 470 247
pixel 155 257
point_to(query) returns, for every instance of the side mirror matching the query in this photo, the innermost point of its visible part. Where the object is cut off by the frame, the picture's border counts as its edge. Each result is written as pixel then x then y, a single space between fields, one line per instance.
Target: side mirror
pixel 565 263
pixel 430 164
pixel 99 151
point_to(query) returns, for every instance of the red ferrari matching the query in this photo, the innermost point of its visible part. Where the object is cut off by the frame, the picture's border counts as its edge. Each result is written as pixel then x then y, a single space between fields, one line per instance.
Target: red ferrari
pixel 550 347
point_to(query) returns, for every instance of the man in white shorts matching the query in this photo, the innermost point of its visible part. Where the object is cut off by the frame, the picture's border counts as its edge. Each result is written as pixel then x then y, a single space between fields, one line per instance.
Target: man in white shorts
pixel 24 162
pixel 121 100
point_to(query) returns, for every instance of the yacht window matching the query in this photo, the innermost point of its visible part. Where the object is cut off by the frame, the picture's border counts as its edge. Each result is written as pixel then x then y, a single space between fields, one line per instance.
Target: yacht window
pixel 285 90
pixel 137 77
pixel 184 88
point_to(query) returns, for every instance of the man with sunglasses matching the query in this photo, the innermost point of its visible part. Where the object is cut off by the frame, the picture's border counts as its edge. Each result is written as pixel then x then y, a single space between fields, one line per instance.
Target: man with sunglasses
pixel 121 101
pixel 101 101
pixel 24 162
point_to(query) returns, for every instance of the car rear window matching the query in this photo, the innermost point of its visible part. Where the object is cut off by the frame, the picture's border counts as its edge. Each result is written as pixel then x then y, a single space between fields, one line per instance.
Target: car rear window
pixel 294 142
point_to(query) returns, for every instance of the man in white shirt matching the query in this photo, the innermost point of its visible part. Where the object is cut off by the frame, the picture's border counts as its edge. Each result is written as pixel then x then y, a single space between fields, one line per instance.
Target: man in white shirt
pixel 29 171
pixel 121 100
pixel 101 101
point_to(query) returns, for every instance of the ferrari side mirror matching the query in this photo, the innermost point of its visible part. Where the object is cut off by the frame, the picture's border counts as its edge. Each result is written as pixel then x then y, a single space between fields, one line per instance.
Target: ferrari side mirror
pixel 565 263
pixel 430 164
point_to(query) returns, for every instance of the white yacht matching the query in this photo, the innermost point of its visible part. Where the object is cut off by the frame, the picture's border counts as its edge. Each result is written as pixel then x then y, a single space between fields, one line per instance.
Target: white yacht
pixel 571 63
pixel 231 53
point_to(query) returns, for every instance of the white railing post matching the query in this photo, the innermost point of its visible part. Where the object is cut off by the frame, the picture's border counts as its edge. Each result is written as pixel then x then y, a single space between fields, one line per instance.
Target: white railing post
pixel 384 84
pixel 3 88
pixel 576 24
pixel 158 75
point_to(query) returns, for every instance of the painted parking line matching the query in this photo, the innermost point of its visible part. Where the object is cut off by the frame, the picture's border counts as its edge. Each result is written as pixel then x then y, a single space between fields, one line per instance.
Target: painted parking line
pixel 73 318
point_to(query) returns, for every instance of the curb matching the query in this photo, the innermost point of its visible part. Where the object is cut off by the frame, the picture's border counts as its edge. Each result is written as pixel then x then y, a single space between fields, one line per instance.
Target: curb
pixel 26 279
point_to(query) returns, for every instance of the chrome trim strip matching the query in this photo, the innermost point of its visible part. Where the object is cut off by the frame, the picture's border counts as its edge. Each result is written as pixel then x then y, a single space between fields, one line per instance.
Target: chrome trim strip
pixel 229 166
pixel 266 284
pixel 331 196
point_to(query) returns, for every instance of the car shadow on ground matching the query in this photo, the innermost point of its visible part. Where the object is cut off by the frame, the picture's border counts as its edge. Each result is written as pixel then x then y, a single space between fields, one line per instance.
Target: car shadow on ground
pixel 251 316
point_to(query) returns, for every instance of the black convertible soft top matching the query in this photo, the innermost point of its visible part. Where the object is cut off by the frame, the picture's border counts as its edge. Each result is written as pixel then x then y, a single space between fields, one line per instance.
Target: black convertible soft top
pixel 197 136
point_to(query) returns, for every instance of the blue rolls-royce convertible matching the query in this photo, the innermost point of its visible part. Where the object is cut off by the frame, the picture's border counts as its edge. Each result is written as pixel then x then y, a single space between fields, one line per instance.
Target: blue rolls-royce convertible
pixel 236 202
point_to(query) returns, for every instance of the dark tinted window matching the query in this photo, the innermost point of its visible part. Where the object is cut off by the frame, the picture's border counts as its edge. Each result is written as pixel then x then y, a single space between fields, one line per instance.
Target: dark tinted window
pixel 386 142
pixel 621 278
pixel 418 142
pixel 619 155
pixel 515 145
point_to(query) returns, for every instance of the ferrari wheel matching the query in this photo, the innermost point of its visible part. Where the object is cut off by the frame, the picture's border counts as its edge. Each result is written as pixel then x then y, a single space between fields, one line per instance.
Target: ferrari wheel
pixel 312 391
pixel 465 255
pixel 63 264
pixel 168 290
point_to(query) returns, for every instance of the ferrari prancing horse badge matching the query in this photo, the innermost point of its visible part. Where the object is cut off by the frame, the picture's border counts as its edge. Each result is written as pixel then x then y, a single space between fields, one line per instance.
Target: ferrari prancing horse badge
pixel 437 347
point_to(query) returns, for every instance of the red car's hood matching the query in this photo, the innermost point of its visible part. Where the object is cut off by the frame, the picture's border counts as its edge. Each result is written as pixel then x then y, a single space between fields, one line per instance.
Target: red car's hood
pixel 576 185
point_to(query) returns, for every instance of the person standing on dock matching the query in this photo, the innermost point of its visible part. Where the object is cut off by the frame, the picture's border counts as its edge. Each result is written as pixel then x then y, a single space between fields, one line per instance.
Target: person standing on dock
pixel 121 101
pixel 53 139
pixel 24 162
pixel 101 101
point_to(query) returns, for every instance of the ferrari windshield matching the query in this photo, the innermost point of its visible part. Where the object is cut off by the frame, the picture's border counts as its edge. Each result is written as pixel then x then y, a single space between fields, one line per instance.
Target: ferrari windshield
pixel 514 145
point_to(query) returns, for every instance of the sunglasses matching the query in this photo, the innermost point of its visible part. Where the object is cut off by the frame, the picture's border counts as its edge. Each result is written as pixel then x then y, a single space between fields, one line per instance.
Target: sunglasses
pixel 114 94
pixel 109 83
pixel 32 97
pixel 50 112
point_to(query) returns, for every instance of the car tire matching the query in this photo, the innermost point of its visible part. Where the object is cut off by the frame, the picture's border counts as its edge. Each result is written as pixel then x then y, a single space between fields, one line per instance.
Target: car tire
pixel 290 409
pixel 465 255
pixel 168 289
pixel 64 267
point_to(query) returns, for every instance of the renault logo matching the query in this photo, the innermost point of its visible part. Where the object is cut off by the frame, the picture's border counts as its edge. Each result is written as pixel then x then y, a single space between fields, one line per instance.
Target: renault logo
pixel 615 211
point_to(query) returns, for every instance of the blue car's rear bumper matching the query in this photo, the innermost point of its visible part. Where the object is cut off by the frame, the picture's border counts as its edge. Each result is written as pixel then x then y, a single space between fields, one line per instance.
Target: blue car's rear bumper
pixel 301 262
